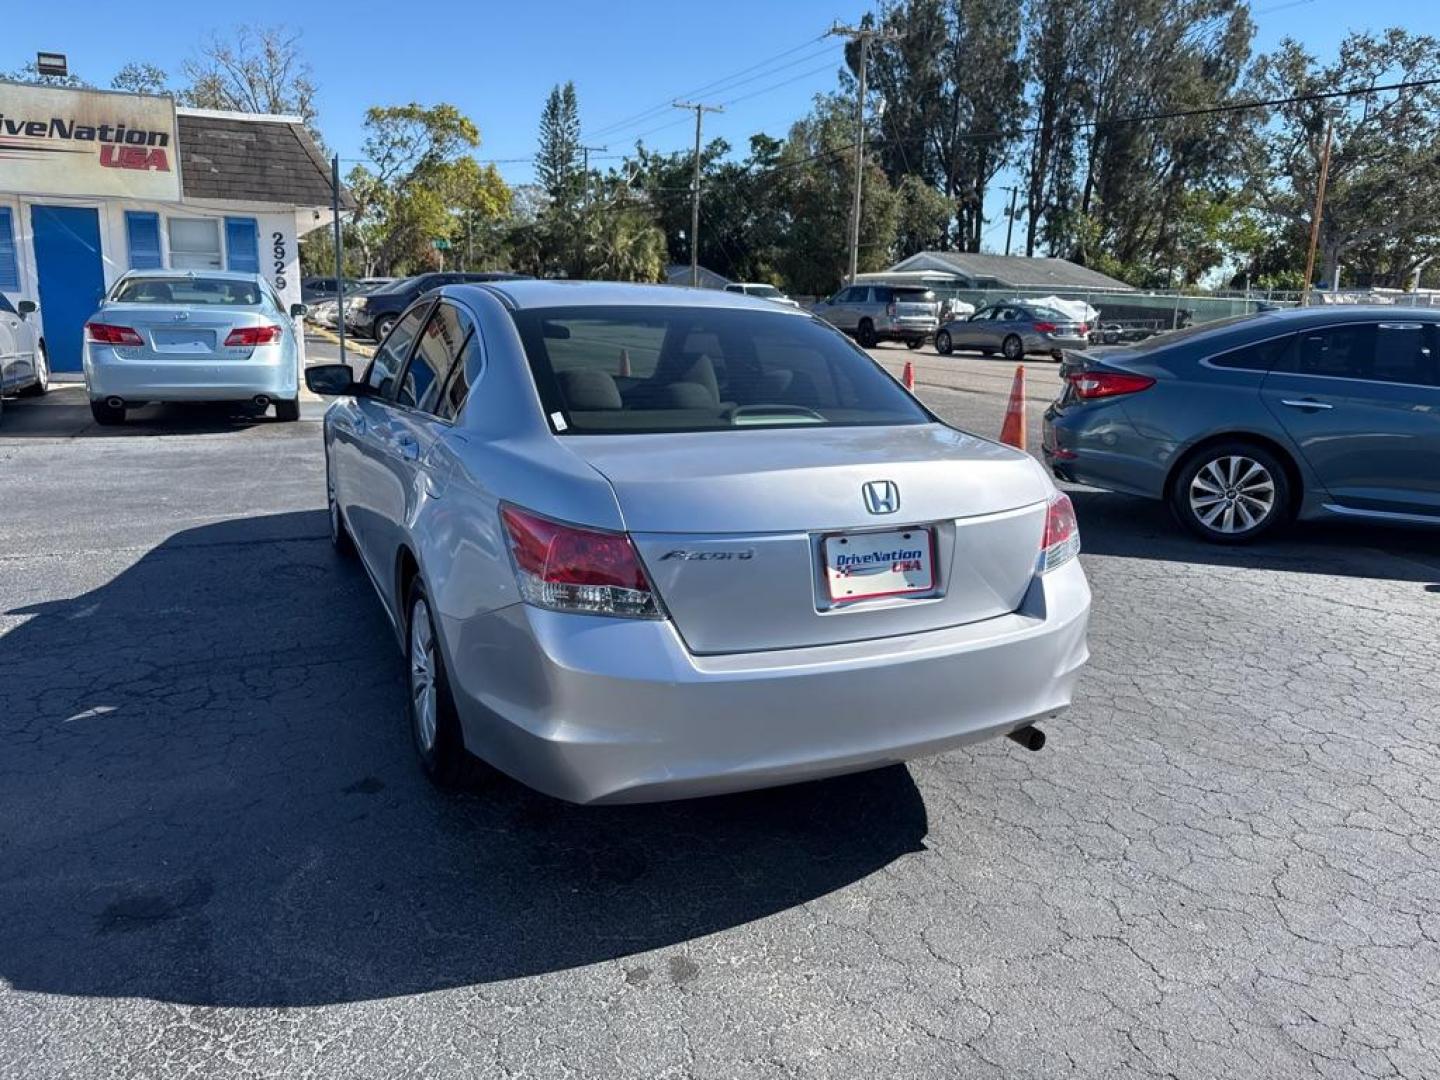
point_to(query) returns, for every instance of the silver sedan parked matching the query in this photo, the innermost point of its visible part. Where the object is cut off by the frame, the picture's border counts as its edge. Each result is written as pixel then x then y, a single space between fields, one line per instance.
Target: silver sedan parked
pixel 1014 330
pixel 642 543
pixel 179 335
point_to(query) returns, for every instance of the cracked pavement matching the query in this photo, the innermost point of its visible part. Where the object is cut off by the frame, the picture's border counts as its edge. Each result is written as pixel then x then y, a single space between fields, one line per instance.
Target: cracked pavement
pixel 218 859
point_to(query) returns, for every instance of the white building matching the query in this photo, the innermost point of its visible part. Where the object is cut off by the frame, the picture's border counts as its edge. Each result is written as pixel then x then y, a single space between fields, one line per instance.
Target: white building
pixel 94 183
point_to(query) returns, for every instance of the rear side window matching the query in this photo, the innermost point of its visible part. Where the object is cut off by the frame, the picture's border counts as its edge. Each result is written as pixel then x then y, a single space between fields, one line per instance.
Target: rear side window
pixel 1406 353
pixel 1340 352
pixel 1261 356
pixel 391 355
pixel 666 369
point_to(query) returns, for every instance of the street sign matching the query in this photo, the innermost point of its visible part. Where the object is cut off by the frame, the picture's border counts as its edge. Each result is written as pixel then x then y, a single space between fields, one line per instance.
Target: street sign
pixel 440 245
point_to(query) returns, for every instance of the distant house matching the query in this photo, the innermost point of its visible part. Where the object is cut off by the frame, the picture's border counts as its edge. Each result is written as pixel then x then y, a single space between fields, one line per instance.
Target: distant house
pixel 679 274
pixel 973 271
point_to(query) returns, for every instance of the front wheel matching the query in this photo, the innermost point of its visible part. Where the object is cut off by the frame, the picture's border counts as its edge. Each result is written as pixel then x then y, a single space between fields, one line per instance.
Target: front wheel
pixel 383 326
pixel 865 334
pixel 434 723
pixel 914 342
pixel 42 374
pixel 1231 493
pixel 1013 348
pixel 943 345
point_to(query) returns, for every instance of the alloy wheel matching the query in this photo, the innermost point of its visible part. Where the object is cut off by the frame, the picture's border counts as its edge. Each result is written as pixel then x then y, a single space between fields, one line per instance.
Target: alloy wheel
pixel 1232 494
pixel 1013 348
pixel 424 703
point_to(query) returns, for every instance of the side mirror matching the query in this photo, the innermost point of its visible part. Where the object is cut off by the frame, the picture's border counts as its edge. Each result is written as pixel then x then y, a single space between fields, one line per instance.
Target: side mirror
pixel 334 380
pixel 25 307
pixel 298 310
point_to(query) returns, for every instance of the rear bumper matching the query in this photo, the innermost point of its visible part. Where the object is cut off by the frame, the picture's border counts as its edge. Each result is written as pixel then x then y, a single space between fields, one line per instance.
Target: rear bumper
pixel 611 710
pixel 1099 446
pixel 270 371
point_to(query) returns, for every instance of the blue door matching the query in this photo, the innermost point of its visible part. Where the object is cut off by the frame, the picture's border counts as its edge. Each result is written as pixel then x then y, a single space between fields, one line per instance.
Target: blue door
pixel 72 277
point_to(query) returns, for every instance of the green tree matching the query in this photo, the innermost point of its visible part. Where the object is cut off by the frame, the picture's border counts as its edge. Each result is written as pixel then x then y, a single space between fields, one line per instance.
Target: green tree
pixel 29 73
pixel 559 171
pixel 252 69
pixel 923 216
pixel 139 77
pixel 623 243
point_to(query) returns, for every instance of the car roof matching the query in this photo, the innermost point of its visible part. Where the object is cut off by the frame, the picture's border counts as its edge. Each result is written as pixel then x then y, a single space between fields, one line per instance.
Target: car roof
pixel 179 275
pixel 1332 313
pixel 529 293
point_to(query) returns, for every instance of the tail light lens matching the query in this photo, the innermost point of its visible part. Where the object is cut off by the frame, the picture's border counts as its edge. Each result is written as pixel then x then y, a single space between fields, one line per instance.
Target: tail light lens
pixel 250 336
pixel 1045 327
pixel 1083 328
pixel 586 571
pixel 1103 384
pixel 1062 533
pixel 107 334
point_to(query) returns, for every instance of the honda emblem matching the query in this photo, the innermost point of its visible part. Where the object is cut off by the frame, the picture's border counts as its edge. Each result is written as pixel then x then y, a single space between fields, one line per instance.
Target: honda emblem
pixel 881 496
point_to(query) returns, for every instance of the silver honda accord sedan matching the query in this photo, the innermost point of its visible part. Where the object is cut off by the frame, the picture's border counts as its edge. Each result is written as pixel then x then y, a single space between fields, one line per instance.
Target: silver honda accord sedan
pixel 644 542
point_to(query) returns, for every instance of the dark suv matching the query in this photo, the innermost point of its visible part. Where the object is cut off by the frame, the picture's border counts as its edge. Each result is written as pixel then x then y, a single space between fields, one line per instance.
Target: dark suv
pixel 1245 423
pixel 374 314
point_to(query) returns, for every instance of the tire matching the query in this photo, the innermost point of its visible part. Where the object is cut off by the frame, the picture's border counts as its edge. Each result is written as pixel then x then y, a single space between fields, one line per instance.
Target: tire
pixel 434 723
pixel 288 411
pixel 340 537
pixel 1012 348
pixel 42 369
pixel 865 334
pixel 914 342
pixel 943 345
pixel 1219 495
pixel 105 415
pixel 383 326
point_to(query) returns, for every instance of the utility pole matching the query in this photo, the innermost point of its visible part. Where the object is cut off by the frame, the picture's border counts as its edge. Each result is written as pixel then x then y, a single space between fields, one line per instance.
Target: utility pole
pixel 585 201
pixel 700 111
pixel 1319 205
pixel 1010 228
pixel 339 255
pixel 864 35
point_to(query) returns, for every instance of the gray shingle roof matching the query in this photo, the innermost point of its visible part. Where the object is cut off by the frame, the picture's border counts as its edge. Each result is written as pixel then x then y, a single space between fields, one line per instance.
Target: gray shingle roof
pixel 264 161
pixel 1019 271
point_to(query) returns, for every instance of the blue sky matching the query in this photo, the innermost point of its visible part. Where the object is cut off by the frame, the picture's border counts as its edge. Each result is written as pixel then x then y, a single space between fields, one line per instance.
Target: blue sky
pixel 497 61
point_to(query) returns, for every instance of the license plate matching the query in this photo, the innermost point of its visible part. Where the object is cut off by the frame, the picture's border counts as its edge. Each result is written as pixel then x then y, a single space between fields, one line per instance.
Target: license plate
pixel 184 340
pixel 863 566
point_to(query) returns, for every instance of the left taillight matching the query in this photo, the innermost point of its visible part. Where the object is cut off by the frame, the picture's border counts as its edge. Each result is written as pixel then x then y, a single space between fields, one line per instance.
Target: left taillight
pixel 586 571
pixel 109 334
pixel 250 336
pixel 1061 542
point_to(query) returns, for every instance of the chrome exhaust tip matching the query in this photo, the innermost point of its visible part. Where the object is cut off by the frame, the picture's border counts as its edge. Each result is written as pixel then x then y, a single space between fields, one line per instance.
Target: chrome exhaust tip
pixel 1029 736
pixel 261 401
pixel 114 403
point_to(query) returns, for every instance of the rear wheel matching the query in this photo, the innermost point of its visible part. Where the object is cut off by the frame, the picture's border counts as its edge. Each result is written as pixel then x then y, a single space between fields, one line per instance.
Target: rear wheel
pixel 943 345
pixel 434 723
pixel 1231 493
pixel 340 536
pixel 1013 348
pixel 287 410
pixel 865 333
pixel 914 342
pixel 106 414
pixel 42 373
pixel 383 325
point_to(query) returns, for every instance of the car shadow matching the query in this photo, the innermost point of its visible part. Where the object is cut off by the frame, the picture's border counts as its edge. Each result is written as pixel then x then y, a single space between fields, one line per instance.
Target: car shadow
pixel 64 413
pixel 1135 528
pixel 208 796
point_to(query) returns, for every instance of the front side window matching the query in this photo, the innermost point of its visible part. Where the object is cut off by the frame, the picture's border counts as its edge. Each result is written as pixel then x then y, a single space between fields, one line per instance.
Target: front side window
pixel 194 243
pixel 391 355
pixel 435 352
pixel 187 290
pixel 639 369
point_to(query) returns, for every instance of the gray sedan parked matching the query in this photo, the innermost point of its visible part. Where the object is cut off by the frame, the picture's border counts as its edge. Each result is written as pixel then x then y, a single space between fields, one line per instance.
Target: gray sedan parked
pixel 1245 423
pixel 640 542
pixel 1014 331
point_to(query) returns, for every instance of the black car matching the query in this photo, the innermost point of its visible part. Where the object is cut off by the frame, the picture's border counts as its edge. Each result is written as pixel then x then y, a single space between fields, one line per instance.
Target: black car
pixel 373 315
pixel 1245 423
pixel 315 289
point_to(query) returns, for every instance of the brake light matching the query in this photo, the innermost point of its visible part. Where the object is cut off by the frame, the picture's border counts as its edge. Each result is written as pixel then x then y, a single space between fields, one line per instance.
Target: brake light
pixel 250 336
pixel 1102 384
pixel 1084 328
pixel 587 571
pixel 1061 542
pixel 106 334
pixel 1045 327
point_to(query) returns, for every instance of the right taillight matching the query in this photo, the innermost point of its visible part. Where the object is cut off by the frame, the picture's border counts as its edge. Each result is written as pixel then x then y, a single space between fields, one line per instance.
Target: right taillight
pixel 586 571
pixel 108 334
pixel 1102 384
pixel 1061 542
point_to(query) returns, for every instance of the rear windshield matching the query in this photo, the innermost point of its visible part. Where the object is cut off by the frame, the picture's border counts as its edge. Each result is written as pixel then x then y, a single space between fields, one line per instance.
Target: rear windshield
pixel 762 290
pixel 664 369
pixel 198 290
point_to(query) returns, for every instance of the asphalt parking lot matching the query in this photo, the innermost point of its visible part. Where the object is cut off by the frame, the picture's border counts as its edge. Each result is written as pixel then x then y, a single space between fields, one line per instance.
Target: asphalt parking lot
pixel 219 858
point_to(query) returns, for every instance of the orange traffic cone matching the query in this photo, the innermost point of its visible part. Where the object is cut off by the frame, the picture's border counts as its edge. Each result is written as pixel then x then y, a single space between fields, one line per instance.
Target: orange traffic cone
pixel 1012 431
pixel 624 362
pixel 908 378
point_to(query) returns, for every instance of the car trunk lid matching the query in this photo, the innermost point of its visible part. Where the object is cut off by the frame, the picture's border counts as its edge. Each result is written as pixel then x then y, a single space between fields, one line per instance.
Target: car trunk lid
pixel 733 528
pixel 187 333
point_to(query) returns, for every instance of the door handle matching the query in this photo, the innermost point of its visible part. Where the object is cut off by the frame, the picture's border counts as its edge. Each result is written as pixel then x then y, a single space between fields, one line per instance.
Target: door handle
pixel 407 447
pixel 1306 403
